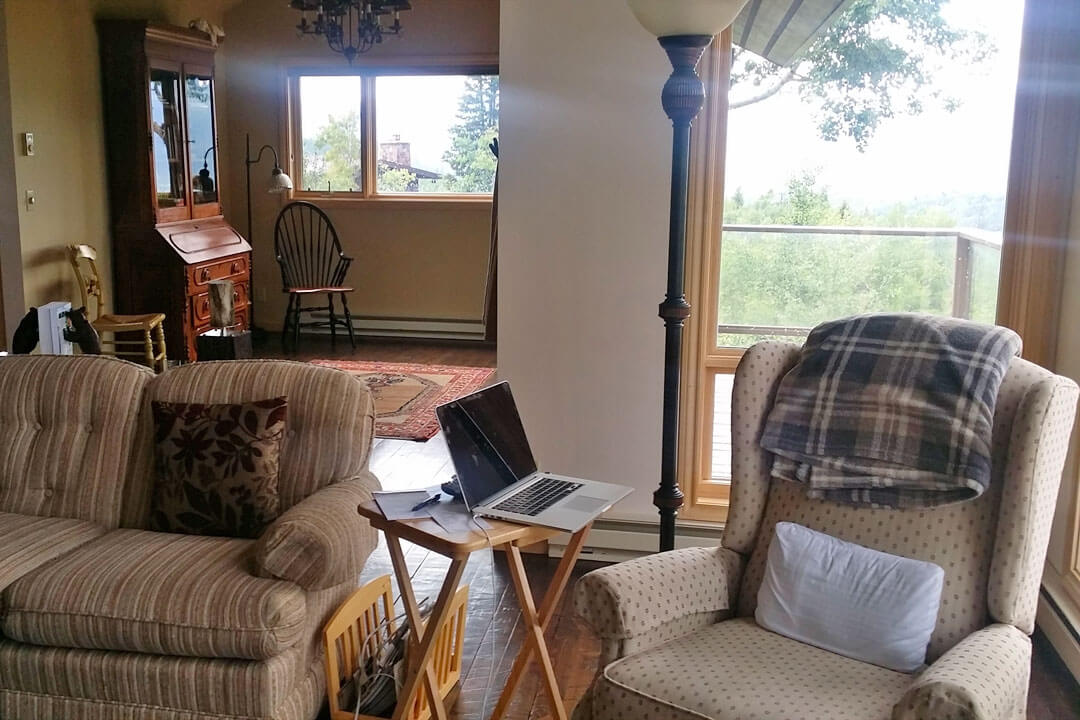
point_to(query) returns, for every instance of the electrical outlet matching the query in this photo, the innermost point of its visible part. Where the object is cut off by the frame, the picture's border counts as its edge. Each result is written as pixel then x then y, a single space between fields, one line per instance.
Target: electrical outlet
pixel 28 143
pixel 31 200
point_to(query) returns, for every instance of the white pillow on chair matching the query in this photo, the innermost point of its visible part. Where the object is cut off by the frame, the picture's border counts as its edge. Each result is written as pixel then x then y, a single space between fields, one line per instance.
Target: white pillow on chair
pixel 848 599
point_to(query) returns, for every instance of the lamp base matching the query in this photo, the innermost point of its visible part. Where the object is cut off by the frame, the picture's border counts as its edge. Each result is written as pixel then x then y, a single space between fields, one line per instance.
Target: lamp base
pixel 683 97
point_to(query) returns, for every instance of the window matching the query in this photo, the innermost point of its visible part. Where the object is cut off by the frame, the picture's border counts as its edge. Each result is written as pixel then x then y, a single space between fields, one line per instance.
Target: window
pixel 836 202
pixel 394 133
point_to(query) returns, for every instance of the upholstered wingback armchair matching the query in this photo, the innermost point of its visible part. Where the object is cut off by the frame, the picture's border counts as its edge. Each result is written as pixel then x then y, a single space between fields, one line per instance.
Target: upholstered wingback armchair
pixel 677 629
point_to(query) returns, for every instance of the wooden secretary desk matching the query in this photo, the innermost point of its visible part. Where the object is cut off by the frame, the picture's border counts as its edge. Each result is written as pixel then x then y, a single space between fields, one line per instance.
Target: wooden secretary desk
pixel 169 238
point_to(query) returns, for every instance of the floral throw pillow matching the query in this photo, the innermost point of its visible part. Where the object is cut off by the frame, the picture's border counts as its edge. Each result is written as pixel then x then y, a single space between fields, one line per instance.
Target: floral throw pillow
pixel 217 467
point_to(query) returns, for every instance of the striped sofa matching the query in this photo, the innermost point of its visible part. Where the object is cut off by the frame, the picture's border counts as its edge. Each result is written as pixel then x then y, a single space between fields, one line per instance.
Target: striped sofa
pixel 102 619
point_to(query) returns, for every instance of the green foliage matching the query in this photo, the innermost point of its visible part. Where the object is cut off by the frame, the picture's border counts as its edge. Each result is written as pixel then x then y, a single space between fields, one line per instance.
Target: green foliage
pixel 332 158
pixel 469 157
pixel 396 180
pixel 798 279
pixel 875 62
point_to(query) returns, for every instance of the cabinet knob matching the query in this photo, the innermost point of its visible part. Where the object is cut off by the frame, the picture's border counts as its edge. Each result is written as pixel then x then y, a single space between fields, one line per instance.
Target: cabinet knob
pixel 204 275
pixel 236 296
pixel 235 268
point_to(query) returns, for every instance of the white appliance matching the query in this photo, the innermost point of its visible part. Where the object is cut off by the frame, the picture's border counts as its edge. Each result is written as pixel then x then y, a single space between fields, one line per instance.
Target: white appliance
pixel 52 320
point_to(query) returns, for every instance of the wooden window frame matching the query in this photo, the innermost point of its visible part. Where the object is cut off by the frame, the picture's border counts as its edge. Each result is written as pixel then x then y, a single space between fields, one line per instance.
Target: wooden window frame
pixel 1040 191
pixel 706 500
pixel 368 73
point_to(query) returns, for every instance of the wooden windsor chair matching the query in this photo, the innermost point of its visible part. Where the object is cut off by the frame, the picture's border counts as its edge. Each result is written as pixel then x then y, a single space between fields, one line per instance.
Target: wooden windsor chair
pixel 309 253
pixel 150 349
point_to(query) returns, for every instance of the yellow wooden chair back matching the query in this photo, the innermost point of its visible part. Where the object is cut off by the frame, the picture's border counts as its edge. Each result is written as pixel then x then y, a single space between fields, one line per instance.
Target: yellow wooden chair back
pixel 90 285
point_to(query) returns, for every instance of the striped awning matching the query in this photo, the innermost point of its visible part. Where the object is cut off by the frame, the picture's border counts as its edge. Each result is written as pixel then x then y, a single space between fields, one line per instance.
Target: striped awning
pixel 779 30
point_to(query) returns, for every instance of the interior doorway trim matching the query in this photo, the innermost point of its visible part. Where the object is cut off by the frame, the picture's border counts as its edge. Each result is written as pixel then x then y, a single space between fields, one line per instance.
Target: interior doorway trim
pixel 11 285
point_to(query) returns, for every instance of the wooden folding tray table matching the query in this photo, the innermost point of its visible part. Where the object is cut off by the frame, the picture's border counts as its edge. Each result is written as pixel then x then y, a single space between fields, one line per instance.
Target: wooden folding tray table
pixel 457 546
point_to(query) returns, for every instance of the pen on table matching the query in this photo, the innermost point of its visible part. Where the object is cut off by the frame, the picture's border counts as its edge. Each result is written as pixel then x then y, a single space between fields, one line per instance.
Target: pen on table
pixel 430 501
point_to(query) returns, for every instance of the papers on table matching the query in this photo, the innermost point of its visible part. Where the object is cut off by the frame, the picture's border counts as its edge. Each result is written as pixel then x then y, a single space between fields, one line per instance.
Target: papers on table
pixel 449 514
pixel 454 518
pixel 399 505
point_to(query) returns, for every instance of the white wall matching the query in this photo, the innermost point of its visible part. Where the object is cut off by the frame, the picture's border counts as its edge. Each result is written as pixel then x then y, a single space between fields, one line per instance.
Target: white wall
pixel 583 206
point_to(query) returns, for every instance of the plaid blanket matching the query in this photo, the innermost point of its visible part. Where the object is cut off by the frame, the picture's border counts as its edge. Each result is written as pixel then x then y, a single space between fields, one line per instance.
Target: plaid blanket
pixel 891 410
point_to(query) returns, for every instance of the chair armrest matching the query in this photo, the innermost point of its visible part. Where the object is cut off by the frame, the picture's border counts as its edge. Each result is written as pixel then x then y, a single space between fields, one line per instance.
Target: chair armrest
pixel 321 541
pixel 631 599
pixel 983 677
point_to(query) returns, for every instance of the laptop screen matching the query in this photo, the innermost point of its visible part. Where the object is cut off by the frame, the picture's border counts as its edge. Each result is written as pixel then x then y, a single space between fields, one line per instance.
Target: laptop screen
pixel 486 441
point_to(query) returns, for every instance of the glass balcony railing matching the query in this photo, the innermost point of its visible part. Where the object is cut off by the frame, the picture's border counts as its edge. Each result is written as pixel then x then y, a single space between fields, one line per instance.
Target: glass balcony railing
pixel 779 281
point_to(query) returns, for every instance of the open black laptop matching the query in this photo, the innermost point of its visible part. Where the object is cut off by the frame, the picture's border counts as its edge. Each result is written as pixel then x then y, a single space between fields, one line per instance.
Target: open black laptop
pixel 498 474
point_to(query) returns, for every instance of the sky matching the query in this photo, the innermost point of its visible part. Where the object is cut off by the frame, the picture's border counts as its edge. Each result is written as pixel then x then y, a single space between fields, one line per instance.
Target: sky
pixel 419 108
pixel 966 151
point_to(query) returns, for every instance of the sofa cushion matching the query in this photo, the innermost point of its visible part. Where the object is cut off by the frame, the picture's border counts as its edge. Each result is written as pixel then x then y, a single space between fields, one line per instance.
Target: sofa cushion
pixel 217 467
pixel 66 683
pixel 157 593
pixel 67 431
pixel 735 669
pixel 331 422
pixel 28 541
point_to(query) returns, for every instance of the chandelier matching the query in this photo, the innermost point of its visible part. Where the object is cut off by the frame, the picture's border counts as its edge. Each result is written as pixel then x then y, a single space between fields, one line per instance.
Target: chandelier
pixel 351 27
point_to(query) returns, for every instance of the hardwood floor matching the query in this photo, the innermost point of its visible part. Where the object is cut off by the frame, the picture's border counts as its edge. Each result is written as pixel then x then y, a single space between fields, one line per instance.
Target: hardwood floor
pixel 493 631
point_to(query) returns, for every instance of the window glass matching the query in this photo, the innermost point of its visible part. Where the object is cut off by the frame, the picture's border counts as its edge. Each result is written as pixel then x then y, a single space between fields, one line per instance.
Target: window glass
pixel 434 133
pixel 868 176
pixel 199 97
pixel 330 134
pixel 167 137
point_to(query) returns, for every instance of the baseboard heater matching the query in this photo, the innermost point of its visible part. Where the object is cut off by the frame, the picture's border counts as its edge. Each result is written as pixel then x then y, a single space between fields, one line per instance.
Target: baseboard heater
pixel 410 328
pixel 1060 629
pixel 620 540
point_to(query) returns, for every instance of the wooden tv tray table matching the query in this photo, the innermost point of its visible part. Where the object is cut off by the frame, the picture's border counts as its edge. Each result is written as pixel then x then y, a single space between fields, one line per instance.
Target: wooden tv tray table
pixel 457 546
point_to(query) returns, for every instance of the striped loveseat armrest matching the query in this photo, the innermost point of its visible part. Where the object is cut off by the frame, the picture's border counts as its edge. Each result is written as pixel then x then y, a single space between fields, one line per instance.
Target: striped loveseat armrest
pixel 321 541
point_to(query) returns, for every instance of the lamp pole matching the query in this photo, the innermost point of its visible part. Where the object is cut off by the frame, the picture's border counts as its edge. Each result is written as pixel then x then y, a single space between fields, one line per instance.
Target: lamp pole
pixel 682 98
pixel 279 182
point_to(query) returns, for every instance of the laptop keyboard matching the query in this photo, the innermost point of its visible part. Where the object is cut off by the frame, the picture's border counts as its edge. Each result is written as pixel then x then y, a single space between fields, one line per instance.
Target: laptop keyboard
pixel 538 497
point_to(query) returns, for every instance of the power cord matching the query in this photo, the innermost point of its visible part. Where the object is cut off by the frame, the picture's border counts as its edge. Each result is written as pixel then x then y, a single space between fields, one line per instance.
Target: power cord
pixel 494 603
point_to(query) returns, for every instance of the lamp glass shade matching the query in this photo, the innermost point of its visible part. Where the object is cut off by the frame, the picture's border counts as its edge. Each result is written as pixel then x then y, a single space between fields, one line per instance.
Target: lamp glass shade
pixel 279 182
pixel 685 17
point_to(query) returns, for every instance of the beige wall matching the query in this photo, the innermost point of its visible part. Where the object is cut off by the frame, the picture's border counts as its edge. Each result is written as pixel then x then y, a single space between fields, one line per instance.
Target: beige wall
pixel 413 261
pixel 56 94
pixel 583 238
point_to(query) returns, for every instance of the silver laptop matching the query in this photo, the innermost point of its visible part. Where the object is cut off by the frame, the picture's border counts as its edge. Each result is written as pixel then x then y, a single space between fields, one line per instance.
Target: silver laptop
pixel 498 474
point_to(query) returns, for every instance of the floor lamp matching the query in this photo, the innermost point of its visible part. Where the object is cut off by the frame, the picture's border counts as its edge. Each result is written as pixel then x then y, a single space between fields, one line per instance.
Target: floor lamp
pixel 277 183
pixel 685 28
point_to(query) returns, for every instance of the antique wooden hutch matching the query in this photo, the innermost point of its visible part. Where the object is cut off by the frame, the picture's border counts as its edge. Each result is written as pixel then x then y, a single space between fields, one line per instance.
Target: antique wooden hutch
pixel 169 238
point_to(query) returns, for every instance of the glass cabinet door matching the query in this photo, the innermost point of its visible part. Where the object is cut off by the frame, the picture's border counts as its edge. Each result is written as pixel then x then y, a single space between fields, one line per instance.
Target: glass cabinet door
pixel 199 99
pixel 167 138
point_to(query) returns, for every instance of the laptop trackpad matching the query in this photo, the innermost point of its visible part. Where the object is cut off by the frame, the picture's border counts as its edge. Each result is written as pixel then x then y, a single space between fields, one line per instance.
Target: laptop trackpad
pixel 584 503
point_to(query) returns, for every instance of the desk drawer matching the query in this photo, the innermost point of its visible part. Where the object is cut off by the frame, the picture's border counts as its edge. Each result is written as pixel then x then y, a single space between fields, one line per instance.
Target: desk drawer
pixel 201 275
pixel 200 304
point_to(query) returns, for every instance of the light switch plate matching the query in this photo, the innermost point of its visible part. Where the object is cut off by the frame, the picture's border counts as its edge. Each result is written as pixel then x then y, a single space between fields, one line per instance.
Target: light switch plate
pixel 31 200
pixel 28 143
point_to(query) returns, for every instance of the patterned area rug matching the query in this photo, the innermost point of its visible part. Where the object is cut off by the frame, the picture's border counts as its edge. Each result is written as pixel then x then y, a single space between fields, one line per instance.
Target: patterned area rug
pixel 406 394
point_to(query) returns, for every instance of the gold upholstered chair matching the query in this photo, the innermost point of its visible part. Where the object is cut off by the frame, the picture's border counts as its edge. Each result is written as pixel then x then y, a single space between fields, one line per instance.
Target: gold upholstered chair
pixel 150 348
